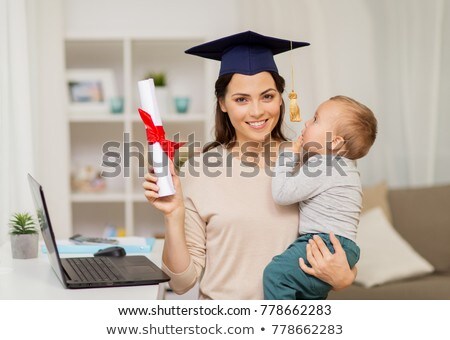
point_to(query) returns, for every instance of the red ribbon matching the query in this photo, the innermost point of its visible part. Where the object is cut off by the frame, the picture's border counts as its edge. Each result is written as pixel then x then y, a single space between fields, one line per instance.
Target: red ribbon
pixel 157 134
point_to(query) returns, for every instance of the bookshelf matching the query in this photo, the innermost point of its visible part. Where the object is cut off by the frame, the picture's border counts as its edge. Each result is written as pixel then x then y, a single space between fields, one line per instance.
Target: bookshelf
pixel 122 203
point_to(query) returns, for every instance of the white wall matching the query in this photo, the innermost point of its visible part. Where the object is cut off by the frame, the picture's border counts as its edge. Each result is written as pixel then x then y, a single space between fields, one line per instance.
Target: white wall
pixel 174 18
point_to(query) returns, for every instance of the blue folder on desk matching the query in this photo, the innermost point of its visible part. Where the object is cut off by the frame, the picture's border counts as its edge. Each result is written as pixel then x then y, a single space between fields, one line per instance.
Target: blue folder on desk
pixel 67 248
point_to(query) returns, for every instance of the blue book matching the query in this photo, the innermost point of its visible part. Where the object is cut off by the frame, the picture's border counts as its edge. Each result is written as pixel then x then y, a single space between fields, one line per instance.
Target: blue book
pixel 65 247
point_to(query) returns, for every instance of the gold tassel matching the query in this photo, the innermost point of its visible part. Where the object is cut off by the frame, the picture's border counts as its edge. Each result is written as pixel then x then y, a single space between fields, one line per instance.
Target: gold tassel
pixel 293 107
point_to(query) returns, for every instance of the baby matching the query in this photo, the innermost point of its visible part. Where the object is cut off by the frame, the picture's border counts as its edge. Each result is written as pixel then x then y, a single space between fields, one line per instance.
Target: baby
pixel 328 189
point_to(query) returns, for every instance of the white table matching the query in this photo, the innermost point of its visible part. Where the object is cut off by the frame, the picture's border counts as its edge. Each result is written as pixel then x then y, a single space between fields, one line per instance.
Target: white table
pixel 34 279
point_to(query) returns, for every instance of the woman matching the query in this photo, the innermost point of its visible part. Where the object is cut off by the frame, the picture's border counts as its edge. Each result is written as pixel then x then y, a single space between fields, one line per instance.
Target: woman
pixel 222 226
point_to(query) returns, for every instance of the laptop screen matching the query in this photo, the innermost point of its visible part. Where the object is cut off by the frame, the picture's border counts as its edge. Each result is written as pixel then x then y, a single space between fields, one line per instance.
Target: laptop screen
pixel 46 228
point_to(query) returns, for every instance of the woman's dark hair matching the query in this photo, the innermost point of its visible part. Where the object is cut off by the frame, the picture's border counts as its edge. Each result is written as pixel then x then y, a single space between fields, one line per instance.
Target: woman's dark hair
pixel 225 133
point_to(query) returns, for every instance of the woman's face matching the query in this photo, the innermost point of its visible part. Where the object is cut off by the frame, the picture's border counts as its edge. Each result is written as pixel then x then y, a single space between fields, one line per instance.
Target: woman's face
pixel 253 106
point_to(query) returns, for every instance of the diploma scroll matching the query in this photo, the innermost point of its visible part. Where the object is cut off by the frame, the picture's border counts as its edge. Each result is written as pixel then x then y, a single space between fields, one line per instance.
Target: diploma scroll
pixel 159 158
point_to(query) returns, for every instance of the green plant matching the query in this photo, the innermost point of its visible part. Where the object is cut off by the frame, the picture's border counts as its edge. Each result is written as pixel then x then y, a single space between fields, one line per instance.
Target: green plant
pixel 158 78
pixel 22 223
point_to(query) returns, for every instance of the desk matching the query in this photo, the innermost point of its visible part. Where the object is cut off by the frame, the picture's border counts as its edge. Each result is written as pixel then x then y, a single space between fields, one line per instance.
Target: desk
pixel 34 279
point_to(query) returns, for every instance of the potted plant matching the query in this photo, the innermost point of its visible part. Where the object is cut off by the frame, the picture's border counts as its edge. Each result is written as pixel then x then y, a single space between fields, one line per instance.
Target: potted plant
pixel 158 78
pixel 161 91
pixel 24 236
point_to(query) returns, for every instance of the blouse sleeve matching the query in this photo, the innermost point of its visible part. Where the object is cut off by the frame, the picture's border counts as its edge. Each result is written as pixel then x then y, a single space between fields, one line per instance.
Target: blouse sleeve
pixel 195 229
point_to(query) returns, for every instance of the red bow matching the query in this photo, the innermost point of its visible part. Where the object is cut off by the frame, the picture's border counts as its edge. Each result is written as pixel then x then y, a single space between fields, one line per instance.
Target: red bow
pixel 157 134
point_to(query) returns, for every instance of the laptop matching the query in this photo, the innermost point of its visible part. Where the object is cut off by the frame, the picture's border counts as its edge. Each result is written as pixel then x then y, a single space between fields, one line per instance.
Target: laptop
pixel 92 272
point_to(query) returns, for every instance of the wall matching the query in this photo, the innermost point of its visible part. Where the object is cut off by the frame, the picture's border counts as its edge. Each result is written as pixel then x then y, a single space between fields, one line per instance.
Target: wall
pixel 150 18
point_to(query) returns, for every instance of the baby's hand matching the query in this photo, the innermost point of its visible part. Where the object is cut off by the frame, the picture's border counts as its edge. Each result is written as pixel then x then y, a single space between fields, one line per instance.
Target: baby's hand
pixel 297 145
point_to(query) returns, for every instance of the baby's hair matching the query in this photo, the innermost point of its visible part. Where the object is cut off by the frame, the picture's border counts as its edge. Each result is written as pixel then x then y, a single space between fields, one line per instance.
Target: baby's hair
pixel 358 127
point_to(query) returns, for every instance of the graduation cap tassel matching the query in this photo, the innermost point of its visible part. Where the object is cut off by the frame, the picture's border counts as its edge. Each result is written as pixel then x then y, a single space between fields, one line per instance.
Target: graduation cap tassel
pixel 294 110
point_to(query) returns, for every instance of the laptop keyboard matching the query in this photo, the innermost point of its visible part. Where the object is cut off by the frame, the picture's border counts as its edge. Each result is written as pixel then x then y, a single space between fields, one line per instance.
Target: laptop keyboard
pixel 95 269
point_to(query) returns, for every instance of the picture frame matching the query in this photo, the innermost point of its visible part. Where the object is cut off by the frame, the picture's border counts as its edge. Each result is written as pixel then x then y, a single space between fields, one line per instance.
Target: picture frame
pixel 90 90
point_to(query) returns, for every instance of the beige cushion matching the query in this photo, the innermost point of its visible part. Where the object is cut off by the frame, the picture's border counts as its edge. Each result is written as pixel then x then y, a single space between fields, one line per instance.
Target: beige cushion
pixel 377 196
pixel 385 255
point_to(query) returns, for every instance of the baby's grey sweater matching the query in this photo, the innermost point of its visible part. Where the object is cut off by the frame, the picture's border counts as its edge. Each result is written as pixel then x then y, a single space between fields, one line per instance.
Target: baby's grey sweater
pixel 328 189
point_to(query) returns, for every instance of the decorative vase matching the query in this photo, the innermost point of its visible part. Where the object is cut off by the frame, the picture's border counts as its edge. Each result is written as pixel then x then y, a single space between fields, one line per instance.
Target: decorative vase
pixel 182 104
pixel 24 246
pixel 116 105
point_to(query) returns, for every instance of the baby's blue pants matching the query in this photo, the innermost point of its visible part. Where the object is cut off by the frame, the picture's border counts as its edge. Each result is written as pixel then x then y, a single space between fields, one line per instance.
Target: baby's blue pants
pixel 285 280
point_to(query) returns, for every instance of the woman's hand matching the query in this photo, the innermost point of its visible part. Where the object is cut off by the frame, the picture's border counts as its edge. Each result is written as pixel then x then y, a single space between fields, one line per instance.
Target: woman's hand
pixel 175 253
pixel 169 205
pixel 328 267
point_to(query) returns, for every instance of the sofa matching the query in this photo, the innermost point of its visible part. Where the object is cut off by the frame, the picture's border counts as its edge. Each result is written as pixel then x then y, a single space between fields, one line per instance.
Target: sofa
pixel 422 218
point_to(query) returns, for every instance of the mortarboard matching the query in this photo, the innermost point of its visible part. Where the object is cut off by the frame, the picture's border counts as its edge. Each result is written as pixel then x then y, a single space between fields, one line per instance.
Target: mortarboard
pixel 245 53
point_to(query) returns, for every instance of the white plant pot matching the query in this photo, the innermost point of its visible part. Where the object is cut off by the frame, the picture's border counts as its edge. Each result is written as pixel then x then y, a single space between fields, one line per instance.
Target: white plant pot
pixel 162 98
pixel 24 246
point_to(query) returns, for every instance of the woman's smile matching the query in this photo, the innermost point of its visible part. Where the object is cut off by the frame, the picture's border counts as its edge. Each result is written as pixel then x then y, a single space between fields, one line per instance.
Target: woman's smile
pixel 259 124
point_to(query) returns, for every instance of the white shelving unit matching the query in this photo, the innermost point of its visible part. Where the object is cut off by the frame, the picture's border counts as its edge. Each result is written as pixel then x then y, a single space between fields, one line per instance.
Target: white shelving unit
pixel 122 203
